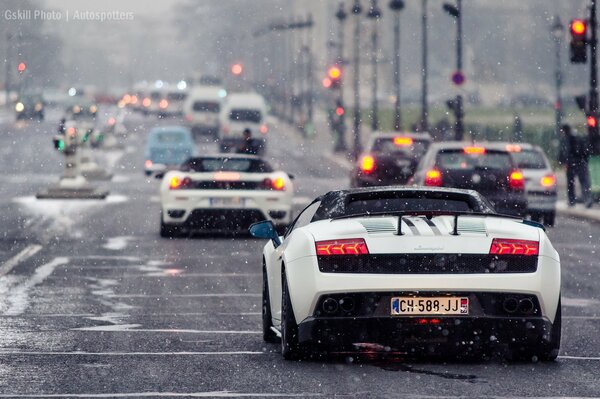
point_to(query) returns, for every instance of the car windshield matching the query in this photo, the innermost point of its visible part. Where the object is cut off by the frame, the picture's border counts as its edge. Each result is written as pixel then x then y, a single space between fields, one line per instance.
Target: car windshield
pixel 403 146
pixel 206 106
pixel 225 164
pixel 529 159
pixel 245 115
pixel 169 155
pixel 176 96
pixel 460 160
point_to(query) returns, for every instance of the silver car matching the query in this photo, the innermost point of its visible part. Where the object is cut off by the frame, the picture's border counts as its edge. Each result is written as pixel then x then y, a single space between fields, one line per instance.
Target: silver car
pixel 540 181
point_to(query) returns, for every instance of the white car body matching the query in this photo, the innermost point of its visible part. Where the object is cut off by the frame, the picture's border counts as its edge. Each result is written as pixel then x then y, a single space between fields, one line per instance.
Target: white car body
pixel 310 282
pixel 218 201
pixel 202 109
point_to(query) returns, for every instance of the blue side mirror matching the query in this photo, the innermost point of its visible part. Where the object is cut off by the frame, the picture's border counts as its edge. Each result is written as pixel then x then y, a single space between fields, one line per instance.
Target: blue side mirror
pixel 265 229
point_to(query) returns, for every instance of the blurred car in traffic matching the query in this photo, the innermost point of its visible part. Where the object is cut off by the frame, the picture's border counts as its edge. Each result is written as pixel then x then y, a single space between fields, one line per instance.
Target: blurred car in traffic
pixel 30 107
pixel 485 167
pixel 540 181
pixel 167 147
pixel 243 111
pixel 417 270
pixel 171 103
pixel 224 193
pixel 202 109
pixel 389 159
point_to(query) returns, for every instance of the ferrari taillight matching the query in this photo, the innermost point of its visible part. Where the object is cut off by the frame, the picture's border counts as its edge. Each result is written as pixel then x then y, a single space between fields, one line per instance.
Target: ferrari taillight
pixel 506 246
pixel 277 184
pixel 433 178
pixel 176 182
pixel 352 246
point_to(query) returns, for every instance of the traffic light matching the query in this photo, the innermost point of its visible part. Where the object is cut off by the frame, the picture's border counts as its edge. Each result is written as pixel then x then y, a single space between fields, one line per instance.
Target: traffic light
pixel 59 143
pixel 592 121
pixel 21 67
pixel 237 69
pixel 334 77
pixel 578 47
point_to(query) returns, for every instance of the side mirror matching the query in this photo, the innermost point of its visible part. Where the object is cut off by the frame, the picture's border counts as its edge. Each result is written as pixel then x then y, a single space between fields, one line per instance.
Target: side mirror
pixel 265 229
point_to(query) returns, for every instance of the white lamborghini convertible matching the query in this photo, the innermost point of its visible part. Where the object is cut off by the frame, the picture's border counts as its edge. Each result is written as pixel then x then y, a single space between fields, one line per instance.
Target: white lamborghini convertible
pixel 411 269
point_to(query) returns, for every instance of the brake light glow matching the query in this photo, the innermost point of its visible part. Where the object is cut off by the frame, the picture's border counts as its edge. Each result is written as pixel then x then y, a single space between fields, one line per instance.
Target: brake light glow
pixel 433 178
pixel 177 182
pixel 148 163
pixel 353 246
pixel 278 183
pixel 163 104
pixel 146 102
pixel 367 164
pixel 474 150
pixel 506 246
pixel 516 181
pixel 548 181
pixel 403 141
pixel 264 129
pixel 513 148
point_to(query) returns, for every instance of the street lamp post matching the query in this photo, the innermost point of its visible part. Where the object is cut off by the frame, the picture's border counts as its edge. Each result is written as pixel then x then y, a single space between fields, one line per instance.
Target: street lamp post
pixel 458 76
pixel 397 6
pixel 356 10
pixel 374 14
pixel 557 30
pixel 340 145
pixel 424 125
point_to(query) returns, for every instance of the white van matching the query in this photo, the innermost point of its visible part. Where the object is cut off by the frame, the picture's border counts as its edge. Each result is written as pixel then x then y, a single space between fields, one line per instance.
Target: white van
pixel 202 109
pixel 243 111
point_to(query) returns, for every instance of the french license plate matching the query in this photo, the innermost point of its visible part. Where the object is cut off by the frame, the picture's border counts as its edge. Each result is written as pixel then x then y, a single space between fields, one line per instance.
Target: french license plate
pixel 227 201
pixel 408 306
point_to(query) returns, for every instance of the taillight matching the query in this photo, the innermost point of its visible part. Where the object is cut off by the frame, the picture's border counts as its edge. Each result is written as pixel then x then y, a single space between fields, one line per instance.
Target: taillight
pixel 146 102
pixel 264 129
pixel 163 104
pixel 548 181
pixel 367 164
pixel 516 181
pixel 188 117
pixel 506 246
pixel 433 177
pixel 177 182
pixel 353 246
pixel 277 184
pixel 148 163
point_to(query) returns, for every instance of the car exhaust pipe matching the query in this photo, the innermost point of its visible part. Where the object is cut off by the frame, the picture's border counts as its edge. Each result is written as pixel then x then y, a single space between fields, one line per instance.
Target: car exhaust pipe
pixel 510 305
pixel 347 304
pixel 526 306
pixel 330 305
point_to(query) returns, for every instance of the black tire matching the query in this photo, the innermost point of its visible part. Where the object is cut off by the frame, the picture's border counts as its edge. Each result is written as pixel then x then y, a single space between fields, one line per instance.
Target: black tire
pixel 545 350
pixel 290 347
pixel 536 216
pixel 268 334
pixel 549 218
pixel 168 230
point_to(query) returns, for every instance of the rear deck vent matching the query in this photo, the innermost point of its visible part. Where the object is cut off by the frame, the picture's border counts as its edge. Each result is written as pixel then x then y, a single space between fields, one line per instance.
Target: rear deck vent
pixel 378 226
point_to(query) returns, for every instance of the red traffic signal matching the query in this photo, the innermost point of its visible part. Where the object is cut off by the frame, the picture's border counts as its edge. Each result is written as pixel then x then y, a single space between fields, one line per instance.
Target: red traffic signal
pixel 339 111
pixel 21 67
pixel 592 121
pixel 578 28
pixel 334 72
pixel 334 77
pixel 237 69
pixel 578 46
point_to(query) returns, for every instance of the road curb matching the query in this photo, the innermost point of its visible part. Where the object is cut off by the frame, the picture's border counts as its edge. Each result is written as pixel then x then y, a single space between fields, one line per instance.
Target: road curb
pixel 585 214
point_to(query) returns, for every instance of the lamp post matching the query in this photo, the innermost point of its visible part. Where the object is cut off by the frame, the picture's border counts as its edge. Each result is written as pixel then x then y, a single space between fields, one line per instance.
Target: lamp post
pixel 397 6
pixel 458 76
pixel 374 14
pixel 356 10
pixel 340 145
pixel 424 125
pixel 557 30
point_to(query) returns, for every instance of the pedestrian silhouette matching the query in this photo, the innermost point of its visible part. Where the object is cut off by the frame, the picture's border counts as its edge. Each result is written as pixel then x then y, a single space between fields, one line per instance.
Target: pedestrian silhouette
pixel 574 155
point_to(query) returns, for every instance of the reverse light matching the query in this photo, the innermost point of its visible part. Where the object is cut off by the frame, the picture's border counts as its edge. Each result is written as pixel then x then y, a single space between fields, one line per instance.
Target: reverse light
pixel 506 246
pixel 474 150
pixel 433 177
pixel 367 164
pixel 403 141
pixel 516 180
pixel 548 181
pixel 353 246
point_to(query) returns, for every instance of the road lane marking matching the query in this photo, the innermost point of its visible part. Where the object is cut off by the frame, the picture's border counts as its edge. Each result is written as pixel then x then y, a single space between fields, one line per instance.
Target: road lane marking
pixel 214 394
pixel 18 297
pixel 232 294
pixel 302 200
pixel 84 353
pixel 579 357
pixel 22 256
pixel 132 328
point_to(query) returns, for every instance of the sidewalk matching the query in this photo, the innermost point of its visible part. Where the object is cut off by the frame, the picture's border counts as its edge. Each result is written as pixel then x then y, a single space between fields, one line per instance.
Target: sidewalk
pixel 578 211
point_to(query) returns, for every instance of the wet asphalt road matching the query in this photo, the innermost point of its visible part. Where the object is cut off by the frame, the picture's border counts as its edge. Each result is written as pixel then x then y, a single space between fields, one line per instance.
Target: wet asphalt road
pixel 93 303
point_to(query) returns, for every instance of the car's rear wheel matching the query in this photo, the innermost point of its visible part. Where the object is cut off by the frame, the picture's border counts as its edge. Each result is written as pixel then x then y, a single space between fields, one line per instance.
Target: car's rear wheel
pixel 549 218
pixel 168 230
pixel 268 333
pixel 536 216
pixel 290 347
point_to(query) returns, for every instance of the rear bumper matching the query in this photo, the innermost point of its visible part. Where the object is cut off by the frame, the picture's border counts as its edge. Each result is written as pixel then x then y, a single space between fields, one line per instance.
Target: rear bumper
pixel 510 204
pixel 541 201
pixel 410 333
pixel 361 180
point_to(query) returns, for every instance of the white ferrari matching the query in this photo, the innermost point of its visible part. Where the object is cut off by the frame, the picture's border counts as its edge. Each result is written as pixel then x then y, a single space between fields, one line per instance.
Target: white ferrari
pixel 412 270
pixel 224 193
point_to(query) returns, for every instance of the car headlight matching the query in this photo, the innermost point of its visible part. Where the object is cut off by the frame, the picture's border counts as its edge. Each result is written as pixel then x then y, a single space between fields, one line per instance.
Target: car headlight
pixel 19 107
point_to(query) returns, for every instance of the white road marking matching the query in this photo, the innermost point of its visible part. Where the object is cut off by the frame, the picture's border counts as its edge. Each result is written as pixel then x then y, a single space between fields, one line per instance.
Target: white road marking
pixel 220 295
pixel 22 256
pixel 579 357
pixel 214 394
pixel 133 328
pixel 301 200
pixel 579 302
pixel 117 243
pixel 18 297
pixel 83 353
